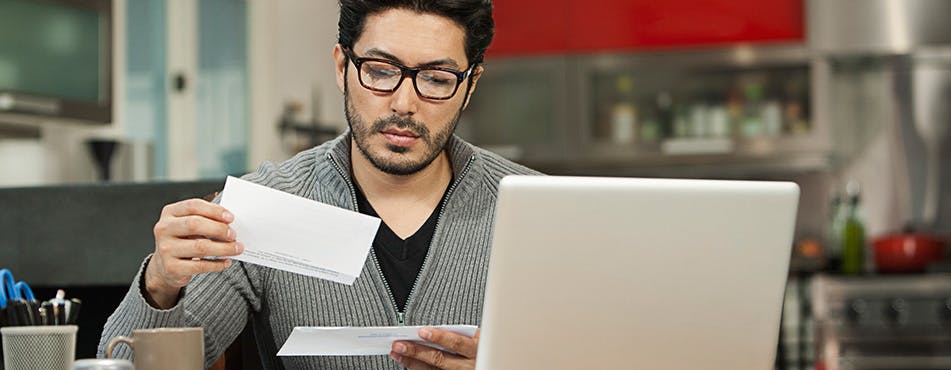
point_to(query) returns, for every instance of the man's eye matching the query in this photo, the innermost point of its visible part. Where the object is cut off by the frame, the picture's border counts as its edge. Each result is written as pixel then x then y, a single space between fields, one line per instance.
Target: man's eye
pixel 436 79
pixel 382 73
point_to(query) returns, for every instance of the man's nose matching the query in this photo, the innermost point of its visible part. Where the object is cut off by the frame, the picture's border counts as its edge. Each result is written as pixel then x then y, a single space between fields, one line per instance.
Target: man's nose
pixel 404 100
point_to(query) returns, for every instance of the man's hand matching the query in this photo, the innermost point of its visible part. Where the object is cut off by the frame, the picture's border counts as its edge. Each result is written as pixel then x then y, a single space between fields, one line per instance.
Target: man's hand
pixel 416 356
pixel 187 232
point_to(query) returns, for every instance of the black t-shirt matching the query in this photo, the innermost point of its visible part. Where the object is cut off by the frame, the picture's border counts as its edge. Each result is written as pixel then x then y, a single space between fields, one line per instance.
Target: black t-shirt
pixel 401 260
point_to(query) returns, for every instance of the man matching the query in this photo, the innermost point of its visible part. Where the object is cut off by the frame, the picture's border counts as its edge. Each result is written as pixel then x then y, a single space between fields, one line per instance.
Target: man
pixel 407 69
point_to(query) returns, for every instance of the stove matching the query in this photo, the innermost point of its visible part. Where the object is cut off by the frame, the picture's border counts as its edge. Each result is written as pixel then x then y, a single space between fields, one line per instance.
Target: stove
pixel 882 322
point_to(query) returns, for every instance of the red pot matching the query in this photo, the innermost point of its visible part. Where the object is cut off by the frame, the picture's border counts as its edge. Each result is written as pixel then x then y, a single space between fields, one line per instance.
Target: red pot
pixel 906 252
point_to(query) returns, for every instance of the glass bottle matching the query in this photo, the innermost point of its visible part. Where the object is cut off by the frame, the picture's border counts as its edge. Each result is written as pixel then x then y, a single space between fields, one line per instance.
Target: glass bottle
pixel 665 114
pixel 837 215
pixel 623 112
pixel 649 131
pixel 853 235
pixel 752 114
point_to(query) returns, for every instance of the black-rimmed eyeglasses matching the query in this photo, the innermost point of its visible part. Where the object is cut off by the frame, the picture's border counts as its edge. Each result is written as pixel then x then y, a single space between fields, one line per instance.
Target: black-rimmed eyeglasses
pixel 386 76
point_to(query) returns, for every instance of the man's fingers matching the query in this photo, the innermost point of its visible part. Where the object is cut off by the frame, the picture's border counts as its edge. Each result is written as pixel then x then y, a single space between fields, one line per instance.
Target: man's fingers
pixel 458 343
pixel 417 356
pixel 201 247
pixel 198 225
pixel 200 266
pixel 411 363
pixel 431 356
pixel 198 207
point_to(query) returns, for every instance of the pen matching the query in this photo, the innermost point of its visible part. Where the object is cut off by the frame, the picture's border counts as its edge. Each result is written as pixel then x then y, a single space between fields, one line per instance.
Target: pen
pixel 21 313
pixel 59 308
pixel 44 312
pixel 72 311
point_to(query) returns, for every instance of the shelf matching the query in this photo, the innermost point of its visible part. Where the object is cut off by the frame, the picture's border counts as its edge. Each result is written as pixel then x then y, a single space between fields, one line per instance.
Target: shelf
pixel 689 166
pixel 740 112
pixel 17 130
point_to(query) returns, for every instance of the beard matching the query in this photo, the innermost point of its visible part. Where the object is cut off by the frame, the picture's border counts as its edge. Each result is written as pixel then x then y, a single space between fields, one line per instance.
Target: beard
pixel 392 159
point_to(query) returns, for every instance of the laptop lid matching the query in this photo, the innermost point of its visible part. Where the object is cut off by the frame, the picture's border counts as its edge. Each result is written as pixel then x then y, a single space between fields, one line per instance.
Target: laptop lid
pixel 622 273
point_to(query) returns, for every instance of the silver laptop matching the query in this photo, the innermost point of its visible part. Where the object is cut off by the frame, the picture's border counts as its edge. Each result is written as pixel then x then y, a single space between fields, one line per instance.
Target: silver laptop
pixel 622 273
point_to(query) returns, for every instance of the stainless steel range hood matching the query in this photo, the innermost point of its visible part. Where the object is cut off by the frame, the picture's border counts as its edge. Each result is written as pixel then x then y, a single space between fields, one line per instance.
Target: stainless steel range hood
pixel 913 38
pixel 877 26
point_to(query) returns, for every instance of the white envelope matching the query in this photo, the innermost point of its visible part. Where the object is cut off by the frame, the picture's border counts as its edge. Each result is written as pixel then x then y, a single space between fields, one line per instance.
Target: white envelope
pixel 357 341
pixel 291 233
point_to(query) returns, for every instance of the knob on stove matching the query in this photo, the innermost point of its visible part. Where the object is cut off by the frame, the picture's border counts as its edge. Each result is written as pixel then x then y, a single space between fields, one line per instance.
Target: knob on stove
pixel 856 310
pixel 946 311
pixel 897 311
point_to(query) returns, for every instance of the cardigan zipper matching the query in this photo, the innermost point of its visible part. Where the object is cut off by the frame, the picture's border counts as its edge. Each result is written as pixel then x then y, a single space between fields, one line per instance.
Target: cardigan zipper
pixel 401 315
pixel 462 174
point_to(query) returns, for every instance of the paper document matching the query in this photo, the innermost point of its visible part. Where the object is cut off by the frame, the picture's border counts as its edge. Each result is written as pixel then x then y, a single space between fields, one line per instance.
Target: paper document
pixel 357 341
pixel 291 233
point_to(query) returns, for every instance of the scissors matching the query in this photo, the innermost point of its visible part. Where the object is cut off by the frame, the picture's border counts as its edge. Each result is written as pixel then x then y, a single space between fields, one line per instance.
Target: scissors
pixel 13 291
pixel 17 301
pixel 8 291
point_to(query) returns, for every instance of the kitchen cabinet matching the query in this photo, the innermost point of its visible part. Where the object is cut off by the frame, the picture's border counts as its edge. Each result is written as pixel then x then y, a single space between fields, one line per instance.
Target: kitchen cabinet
pixel 756 106
pixel 532 27
pixel 529 27
pixel 523 110
pixel 636 87
pixel 710 112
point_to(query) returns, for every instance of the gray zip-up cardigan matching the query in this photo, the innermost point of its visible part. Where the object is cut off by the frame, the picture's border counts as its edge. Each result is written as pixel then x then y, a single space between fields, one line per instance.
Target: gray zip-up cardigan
pixel 449 289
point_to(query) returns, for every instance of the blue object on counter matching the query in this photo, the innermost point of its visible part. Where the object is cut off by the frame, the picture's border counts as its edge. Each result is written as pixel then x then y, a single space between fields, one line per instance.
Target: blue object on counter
pixel 8 292
pixel 23 289
pixel 17 302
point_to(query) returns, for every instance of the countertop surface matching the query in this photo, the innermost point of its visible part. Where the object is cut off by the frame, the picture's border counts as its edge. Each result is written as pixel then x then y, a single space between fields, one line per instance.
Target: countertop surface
pixel 85 234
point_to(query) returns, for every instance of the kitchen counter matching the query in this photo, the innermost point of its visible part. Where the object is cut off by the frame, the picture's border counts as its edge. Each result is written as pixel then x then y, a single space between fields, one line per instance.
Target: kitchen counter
pixel 85 235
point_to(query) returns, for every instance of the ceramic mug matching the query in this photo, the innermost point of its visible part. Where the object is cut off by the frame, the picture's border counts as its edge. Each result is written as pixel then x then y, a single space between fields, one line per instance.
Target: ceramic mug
pixel 164 348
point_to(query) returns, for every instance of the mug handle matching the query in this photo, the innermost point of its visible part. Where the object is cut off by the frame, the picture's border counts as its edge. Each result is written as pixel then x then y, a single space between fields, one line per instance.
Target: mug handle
pixel 115 341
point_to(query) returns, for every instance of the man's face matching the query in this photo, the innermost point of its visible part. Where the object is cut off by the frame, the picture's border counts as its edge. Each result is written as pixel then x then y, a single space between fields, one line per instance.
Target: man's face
pixel 400 132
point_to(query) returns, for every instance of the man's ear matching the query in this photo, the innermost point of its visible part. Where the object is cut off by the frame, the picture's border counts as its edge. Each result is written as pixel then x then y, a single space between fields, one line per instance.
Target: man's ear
pixel 340 66
pixel 476 74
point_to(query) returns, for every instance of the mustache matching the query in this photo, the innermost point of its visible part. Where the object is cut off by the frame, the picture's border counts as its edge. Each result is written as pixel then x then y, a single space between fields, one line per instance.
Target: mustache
pixel 403 123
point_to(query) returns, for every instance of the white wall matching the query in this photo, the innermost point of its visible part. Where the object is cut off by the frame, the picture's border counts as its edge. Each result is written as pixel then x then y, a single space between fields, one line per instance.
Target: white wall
pixel 291 42
pixel 866 117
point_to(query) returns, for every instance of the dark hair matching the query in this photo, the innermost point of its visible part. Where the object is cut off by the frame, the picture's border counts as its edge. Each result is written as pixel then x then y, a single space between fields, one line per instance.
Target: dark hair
pixel 475 16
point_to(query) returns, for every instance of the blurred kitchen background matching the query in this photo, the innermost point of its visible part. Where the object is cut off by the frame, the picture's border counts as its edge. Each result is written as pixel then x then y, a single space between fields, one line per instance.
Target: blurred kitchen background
pixel 110 109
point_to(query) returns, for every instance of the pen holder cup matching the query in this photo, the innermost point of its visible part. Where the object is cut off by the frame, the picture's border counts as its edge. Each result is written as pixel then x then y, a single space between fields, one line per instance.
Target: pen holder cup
pixel 39 347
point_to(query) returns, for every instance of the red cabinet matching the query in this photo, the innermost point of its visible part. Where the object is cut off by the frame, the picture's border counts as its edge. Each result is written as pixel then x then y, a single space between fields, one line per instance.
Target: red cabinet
pixel 530 27
pixel 527 27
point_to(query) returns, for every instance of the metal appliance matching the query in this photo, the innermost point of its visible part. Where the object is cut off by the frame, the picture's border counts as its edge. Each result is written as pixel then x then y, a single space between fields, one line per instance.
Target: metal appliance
pixel 911 40
pixel 882 323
